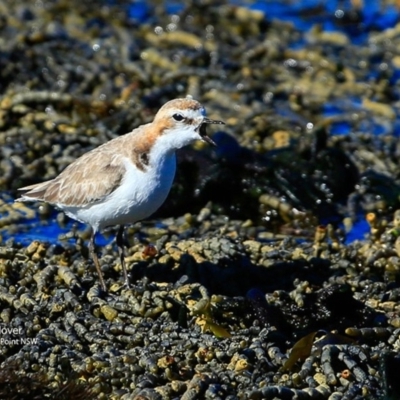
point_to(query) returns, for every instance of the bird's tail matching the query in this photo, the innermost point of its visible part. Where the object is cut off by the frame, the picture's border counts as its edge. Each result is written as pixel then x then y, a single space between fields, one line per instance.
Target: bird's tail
pixel 34 192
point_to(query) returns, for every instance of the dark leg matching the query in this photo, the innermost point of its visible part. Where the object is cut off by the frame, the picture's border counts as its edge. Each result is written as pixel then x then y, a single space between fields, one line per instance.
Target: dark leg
pixel 120 244
pixel 92 250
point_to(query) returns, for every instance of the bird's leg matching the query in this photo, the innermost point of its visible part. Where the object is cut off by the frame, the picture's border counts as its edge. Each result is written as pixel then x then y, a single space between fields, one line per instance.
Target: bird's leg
pixel 92 249
pixel 120 244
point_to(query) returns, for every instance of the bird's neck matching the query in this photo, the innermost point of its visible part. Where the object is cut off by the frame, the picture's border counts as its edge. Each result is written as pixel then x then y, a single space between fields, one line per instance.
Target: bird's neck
pixel 159 156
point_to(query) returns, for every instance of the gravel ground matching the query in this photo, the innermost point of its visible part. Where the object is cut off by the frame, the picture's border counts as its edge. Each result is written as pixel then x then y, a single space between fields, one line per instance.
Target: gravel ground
pixel 243 284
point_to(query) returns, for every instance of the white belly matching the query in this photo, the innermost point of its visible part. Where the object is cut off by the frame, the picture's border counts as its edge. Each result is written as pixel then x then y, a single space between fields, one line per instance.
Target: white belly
pixel 141 193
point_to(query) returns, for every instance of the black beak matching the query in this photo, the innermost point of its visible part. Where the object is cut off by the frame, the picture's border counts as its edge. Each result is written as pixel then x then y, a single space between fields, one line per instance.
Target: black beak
pixel 203 130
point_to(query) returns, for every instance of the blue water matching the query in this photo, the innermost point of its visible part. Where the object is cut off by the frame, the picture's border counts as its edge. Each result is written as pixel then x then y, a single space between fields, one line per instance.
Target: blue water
pixel 49 230
pixel 359 230
pixel 332 15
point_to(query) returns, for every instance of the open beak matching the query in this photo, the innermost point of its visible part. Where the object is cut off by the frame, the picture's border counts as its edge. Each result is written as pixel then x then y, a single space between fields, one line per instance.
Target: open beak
pixel 203 129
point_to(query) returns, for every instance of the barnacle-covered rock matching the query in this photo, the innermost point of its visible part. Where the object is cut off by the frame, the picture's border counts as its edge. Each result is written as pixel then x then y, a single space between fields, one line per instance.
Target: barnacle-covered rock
pixel 246 263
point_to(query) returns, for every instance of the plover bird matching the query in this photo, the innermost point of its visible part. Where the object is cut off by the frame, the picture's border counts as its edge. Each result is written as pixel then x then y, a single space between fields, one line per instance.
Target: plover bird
pixel 128 178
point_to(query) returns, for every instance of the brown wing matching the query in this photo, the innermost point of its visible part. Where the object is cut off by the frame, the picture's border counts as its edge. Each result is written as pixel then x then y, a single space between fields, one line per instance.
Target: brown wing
pixel 89 179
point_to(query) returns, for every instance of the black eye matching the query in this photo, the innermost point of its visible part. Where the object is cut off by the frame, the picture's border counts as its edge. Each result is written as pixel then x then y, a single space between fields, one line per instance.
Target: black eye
pixel 177 117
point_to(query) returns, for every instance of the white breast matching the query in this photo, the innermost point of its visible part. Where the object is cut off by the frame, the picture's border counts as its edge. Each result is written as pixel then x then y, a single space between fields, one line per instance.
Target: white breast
pixel 140 194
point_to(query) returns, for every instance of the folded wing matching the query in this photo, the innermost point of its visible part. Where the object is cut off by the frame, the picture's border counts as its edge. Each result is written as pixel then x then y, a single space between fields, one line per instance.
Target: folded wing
pixel 90 179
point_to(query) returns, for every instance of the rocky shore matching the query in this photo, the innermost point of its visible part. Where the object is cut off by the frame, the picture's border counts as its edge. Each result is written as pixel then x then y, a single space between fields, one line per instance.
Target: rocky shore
pixel 243 284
